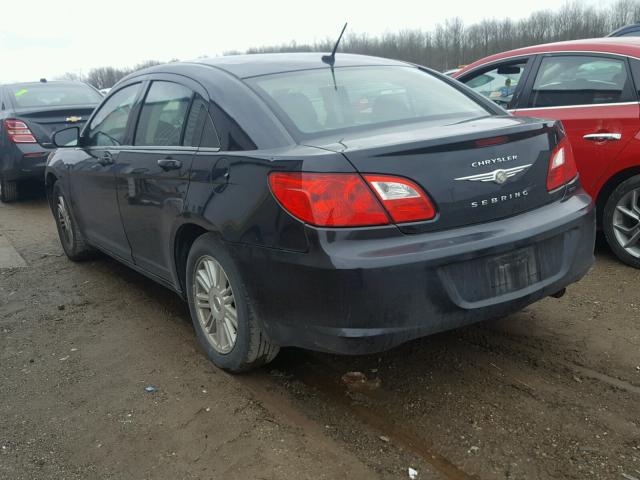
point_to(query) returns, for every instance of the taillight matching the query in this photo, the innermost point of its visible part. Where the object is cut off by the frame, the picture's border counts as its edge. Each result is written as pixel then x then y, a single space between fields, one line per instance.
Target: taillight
pixel 562 165
pixel 328 199
pixel 18 131
pixel 345 199
pixel 404 200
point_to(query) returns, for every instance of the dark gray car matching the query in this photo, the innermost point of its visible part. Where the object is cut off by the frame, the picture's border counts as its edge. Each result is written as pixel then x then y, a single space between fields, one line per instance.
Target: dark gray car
pixel 29 114
pixel 344 209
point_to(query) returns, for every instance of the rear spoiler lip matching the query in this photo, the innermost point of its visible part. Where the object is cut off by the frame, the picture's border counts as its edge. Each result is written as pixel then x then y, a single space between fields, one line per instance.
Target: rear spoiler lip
pixel 531 126
pixel 61 108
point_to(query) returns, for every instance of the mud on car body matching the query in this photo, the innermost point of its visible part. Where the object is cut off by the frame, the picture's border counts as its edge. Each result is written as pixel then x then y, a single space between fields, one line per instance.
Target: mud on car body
pixel 344 209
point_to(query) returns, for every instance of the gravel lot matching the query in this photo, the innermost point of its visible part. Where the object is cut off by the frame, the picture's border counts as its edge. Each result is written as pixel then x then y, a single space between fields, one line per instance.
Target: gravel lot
pixel 551 392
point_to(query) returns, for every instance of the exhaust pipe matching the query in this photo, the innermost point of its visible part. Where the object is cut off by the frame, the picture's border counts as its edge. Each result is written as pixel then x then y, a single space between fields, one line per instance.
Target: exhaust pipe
pixel 559 293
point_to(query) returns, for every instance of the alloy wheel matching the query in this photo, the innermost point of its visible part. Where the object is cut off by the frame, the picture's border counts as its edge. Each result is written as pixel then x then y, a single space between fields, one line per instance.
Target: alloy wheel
pixel 64 220
pixel 626 222
pixel 215 304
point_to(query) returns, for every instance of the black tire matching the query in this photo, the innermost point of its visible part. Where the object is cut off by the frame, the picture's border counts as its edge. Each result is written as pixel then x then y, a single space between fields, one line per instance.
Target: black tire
pixel 616 196
pixel 8 191
pixel 252 348
pixel 73 242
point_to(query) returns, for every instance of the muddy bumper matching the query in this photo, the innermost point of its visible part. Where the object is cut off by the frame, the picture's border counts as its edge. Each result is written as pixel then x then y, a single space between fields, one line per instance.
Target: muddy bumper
pixel 363 291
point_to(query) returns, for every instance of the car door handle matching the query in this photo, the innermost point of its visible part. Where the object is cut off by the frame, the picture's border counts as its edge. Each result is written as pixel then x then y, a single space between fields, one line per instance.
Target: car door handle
pixel 105 159
pixel 603 137
pixel 169 164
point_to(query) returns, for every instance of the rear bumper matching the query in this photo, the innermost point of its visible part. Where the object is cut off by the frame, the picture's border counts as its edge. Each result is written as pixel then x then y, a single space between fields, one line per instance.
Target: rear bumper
pixel 367 290
pixel 23 161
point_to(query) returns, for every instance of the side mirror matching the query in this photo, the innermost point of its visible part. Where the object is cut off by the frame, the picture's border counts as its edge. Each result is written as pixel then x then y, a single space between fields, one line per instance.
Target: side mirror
pixel 67 137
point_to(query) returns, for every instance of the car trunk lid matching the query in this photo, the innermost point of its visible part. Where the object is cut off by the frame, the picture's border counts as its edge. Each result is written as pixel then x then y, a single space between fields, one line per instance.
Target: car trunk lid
pixel 43 123
pixel 476 171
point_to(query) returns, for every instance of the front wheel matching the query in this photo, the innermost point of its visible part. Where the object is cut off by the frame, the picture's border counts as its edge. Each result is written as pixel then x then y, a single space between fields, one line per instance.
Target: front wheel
pixel 221 310
pixel 71 238
pixel 621 221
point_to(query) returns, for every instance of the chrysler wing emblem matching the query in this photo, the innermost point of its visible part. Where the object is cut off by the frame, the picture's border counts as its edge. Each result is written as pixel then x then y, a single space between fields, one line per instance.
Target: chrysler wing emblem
pixel 73 119
pixel 498 176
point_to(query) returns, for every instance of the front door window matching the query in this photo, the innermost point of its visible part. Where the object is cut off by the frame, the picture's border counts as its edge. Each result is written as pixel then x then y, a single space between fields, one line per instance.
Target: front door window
pixel 498 84
pixel 109 127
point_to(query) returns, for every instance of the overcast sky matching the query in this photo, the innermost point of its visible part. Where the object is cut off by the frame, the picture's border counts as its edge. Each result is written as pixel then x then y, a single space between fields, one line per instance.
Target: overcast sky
pixel 44 38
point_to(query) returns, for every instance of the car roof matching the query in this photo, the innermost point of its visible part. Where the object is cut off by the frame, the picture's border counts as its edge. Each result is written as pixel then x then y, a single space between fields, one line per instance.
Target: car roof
pixel 629 46
pixel 627 28
pixel 244 66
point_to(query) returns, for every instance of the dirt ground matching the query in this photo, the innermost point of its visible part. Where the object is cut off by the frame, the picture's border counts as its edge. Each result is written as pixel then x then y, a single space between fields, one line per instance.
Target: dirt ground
pixel 551 392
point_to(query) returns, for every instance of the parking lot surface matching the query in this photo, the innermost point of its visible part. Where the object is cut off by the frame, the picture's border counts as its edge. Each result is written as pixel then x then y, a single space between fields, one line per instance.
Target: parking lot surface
pixel 550 392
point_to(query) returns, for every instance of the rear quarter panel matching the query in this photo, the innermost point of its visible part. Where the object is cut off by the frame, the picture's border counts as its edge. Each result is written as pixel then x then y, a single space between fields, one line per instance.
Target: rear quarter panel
pixel 229 193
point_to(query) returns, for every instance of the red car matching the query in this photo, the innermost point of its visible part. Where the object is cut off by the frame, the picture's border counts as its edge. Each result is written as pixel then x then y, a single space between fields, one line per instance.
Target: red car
pixel 593 87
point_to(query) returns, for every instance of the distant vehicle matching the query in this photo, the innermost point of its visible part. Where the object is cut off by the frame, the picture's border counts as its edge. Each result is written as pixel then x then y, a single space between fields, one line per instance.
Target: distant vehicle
pixel 627 31
pixel 104 91
pixel 450 73
pixel 346 207
pixel 592 86
pixel 29 114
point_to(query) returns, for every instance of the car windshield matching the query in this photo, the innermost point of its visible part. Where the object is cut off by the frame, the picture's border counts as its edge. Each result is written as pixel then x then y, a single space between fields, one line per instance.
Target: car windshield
pixel 312 103
pixel 53 95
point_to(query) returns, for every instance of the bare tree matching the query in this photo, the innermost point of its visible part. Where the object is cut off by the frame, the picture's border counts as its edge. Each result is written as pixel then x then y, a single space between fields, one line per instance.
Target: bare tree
pixel 452 43
pixel 107 77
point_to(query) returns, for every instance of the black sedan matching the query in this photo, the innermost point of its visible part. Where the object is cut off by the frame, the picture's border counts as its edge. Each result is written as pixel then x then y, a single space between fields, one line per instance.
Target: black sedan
pixel 343 208
pixel 29 114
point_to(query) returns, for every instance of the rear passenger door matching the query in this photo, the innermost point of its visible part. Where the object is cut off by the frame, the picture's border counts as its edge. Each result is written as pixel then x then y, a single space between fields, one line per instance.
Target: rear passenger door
pixel 594 96
pixel 153 175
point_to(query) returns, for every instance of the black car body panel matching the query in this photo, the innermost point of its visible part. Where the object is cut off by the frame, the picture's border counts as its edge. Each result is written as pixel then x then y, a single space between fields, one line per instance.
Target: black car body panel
pixel 348 290
pixel 362 292
pixel 20 161
pixel 425 153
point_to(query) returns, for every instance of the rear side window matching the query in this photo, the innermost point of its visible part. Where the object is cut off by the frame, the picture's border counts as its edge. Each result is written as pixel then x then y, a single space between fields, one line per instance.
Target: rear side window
pixel 38 95
pixel 312 103
pixel 163 114
pixel 109 126
pixel 580 80
pixel 199 130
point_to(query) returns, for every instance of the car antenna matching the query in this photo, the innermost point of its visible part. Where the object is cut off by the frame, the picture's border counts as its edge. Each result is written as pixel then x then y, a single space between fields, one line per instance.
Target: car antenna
pixel 331 59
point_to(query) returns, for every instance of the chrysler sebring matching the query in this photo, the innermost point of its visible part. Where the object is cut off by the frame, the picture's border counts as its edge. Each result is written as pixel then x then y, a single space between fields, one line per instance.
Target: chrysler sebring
pixel 29 114
pixel 344 206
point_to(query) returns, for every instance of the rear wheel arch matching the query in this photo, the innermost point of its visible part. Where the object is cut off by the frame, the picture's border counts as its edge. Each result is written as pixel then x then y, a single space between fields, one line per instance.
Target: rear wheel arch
pixel 609 186
pixel 184 238
pixel 207 299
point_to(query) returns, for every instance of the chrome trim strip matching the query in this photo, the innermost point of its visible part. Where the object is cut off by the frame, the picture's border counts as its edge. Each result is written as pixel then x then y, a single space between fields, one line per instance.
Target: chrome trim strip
pixel 496 175
pixel 602 137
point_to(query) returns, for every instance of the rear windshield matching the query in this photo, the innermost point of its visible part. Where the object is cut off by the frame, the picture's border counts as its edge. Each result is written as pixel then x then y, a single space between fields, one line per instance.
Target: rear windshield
pixel 53 95
pixel 361 97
